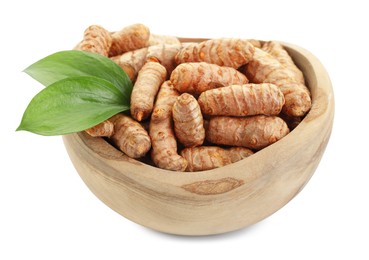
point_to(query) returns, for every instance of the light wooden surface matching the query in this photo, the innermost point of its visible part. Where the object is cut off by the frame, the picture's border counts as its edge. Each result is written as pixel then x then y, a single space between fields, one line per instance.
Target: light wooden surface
pixel 219 200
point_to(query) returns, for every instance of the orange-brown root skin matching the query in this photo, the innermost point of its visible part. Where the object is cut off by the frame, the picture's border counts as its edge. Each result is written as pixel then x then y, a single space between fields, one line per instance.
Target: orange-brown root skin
pixel 132 62
pixel 97 40
pixel 224 52
pixel 188 121
pixel 242 100
pixel 239 153
pixel 255 43
pixel 130 137
pixel 147 85
pixel 264 68
pixel 277 51
pixel 104 129
pixel 156 39
pixel 209 157
pixel 254 132
pixel 292 121
pixel 197 77
pixel 164 145
pixel 164 54
pixel 130 38
pixel 298 100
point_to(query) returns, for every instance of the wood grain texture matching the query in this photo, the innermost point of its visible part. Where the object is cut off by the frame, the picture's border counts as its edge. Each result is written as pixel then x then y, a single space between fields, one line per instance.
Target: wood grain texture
pixel 212 187
pixel 218 200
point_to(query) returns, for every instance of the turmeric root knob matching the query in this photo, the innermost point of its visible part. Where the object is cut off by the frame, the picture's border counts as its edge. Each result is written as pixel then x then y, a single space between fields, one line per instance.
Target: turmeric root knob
pixel 298 101
pixel 209 157
pixel 129 136
pixel 130 38
pixel 242 100
pixel 197 77
pixel 156 39
pixel 277 51
pixel 105 128
pixel 164 145
pixel 149 79
pixel 188 121
pixel 164 54
pixel 97 40
pixel 255 132
pixel 224 52
pixel 132 62
pixel 264 68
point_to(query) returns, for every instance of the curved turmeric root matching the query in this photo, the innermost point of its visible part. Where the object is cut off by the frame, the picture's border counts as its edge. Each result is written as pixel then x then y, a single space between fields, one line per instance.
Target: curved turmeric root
pixel 197 77
pixel 130 38
pixel 104 129
pixel 264 68
pixel 239 153
pixel 96 39
pixel 242 100
pixel 277 51
pixel 253 132
pixel 255 42
pixel 164 145
pixel 132 62
pixel 129 136
pixel 164 54
pixel 156 39
pixel 223 52
pixel 188 121
pixel 209 157
pixel 291 121
pixel 149 79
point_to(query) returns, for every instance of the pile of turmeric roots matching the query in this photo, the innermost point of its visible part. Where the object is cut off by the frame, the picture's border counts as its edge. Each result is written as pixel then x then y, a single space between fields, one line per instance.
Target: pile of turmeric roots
pixel 199 105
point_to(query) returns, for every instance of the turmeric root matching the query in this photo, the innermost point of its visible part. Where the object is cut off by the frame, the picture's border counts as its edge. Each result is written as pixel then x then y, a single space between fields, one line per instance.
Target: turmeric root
pixel 104 129
pixel 255 43
pixel 130 38
pixel 196 77
pixel 96 39
pixel 156 39
pixel 132 62
pixel 164 54
pixel 277 51
pixel 291 121
pixel 129 136
pixel 239 153
pixel 223 52
pixel 255 132
pixel 209 157
pixel 164 145
pixel 264 68
pixel 149 79
pixel 242 100
pixel 188 121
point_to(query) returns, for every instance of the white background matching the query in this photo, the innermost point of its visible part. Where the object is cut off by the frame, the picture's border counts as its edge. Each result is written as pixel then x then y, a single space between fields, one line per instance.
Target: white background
pixel 46 211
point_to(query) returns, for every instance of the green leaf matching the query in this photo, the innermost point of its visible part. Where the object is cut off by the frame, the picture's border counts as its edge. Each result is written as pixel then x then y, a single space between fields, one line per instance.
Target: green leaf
pixel 75 63
pixel 72 105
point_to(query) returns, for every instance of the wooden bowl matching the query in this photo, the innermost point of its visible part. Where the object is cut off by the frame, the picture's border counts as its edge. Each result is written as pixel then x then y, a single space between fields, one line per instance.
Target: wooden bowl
pixel 219 200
